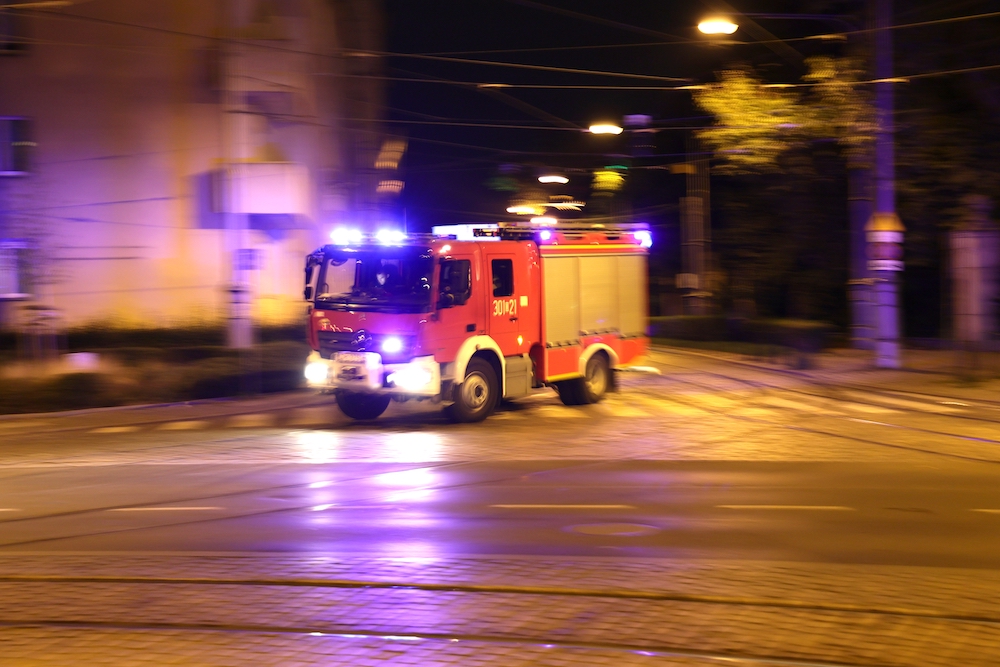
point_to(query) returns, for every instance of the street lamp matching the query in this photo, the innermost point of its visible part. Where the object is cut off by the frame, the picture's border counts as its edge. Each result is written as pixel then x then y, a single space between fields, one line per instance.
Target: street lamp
pixel 553 178
pixel 717 26
pixel 605 128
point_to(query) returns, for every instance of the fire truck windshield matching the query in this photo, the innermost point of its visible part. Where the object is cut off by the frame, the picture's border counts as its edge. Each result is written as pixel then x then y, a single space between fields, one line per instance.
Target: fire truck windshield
pixel 379 279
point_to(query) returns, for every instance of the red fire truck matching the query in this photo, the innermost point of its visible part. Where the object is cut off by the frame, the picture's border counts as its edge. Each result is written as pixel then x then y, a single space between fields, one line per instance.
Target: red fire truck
pixel 474 314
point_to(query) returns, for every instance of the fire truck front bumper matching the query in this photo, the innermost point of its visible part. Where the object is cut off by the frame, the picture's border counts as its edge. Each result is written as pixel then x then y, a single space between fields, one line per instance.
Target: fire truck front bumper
pixel 365 372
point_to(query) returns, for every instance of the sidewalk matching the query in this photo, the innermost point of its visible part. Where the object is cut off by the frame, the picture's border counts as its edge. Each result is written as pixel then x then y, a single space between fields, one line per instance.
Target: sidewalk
pixel 161 413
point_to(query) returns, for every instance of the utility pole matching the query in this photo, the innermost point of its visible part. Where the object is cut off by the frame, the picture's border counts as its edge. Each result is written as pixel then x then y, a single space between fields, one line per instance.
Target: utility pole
pixel 884 230
pixel 696 234
pixel 859 202
pixel 234 130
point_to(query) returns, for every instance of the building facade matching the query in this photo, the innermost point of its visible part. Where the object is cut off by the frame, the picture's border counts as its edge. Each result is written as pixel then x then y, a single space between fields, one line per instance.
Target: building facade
pixel 171 163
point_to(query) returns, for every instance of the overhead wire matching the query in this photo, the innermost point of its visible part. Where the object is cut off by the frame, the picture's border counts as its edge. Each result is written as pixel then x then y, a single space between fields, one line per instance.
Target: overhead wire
pixel 357 53
pixel 437 58
pixel 489 85
pixel 590 18
pixel 518 104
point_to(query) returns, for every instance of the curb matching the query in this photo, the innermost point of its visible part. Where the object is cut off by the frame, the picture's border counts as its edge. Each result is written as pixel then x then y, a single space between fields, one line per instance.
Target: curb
pixel 25 416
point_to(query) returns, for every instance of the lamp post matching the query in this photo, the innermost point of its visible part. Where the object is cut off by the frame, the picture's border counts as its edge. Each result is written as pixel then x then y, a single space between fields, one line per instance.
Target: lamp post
pixel 695 212
pixel 884 230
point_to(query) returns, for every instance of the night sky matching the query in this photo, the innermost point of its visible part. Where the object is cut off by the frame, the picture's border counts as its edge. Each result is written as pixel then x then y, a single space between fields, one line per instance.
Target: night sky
pixel 448 165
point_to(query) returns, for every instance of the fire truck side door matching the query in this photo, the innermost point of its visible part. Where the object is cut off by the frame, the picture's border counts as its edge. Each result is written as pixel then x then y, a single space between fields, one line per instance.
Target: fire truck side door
pixel 502 302
pixel 459 313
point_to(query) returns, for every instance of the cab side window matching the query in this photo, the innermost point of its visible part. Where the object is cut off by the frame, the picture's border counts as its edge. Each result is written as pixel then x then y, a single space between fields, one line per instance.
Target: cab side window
pixel 503 277
pixel 456 282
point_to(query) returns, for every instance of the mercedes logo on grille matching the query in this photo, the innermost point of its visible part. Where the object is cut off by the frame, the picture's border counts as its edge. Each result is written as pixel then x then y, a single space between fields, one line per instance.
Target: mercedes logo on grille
pixel 361 340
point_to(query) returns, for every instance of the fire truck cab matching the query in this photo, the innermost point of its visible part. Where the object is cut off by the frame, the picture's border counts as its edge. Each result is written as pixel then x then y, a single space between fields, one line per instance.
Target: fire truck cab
pixel 468 317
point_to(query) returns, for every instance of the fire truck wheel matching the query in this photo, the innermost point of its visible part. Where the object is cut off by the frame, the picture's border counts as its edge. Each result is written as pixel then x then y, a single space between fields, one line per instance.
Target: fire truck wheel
pixel 596 380
pixel 478 395
pixel 569 392
pixel 362 406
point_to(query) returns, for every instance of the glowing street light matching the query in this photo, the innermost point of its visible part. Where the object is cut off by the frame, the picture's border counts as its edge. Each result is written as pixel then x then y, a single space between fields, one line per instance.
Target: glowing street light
pixel 553 178
pixel 605 128
pixel 717 26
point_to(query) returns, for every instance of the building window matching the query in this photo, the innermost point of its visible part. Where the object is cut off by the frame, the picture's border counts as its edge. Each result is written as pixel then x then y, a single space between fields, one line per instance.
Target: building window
pixel 15 146
pixel 13 270
pixel 13 34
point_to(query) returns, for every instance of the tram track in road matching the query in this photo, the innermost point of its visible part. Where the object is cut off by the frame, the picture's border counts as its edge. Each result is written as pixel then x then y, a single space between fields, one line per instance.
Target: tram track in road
pixel 447 640
pixel 708 627
pixel 488 589
pixel 899 426
pixel 938 399
pixel 765 389
pixel 816 431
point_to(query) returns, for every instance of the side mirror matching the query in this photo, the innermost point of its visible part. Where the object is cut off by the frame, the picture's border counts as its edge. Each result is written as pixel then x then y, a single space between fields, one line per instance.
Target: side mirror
pixel 308 293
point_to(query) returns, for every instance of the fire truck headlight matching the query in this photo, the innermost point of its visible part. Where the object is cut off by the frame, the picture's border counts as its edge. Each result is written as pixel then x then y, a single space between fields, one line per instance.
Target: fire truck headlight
pixel 392 345
pixel 411 379
pixel 316 372
pixel 644 238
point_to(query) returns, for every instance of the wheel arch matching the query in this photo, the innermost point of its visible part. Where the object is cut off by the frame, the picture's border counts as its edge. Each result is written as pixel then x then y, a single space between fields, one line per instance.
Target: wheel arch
pixel 595 349
pixel 481 346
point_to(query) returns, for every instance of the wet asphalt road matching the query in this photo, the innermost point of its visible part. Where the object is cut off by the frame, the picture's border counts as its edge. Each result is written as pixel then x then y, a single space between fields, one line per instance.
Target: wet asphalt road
pixel 944 515
pixel 701 462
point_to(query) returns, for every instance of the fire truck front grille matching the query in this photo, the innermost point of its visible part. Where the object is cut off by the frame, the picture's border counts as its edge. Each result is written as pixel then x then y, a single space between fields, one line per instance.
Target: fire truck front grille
pixel 330 342
pixel 338 341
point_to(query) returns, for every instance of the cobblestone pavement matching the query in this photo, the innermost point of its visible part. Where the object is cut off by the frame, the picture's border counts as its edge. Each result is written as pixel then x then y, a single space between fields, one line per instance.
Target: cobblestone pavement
pixel 281 610
pixel 291 609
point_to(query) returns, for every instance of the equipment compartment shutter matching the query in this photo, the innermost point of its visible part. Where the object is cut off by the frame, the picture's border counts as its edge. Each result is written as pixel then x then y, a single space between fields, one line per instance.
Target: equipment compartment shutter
pixel 562 298
pixel 599 285
pixel 632 294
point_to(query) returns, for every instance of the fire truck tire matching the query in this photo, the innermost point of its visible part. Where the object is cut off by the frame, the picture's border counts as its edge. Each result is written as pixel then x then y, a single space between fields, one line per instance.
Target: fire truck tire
pixel 596 380
pixel 362 406
pixel 569 392
pixel 478 395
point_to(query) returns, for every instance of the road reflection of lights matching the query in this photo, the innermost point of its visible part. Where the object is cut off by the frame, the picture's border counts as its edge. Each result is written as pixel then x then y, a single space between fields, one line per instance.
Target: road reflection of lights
pixel 426 551
pixel 410 495
pixel 318 446
pixel 412 447
pixel 412 478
